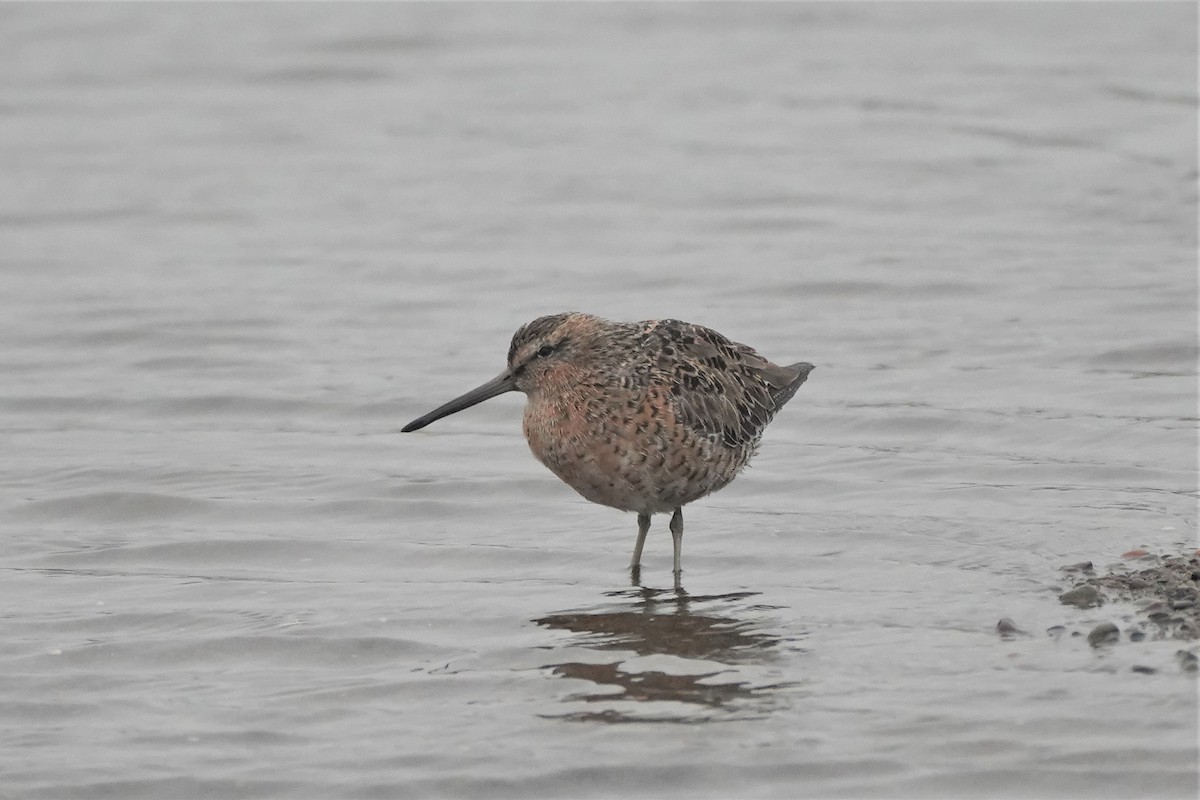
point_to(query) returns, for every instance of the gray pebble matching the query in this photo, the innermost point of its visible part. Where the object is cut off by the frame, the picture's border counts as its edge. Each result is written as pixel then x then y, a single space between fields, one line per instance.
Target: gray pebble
pixel 1008 629
pixel 1104 633
pixel 1187 660
pixel 1082 596
pixel 1144 669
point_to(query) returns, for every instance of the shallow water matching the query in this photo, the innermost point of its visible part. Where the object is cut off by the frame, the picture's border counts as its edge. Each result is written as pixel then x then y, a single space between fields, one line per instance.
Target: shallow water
pixel 244 244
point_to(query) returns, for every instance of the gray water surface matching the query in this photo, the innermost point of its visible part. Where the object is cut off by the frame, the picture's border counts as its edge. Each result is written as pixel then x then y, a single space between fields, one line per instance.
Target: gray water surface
pixel 244 244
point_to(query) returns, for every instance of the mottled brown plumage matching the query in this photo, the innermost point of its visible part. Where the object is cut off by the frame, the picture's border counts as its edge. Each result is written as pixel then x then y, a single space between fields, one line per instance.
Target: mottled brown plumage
pixel 641 416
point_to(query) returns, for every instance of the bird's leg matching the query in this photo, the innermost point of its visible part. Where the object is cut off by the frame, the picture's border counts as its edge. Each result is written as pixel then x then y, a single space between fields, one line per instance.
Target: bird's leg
pixel 635 565
pixel 677 540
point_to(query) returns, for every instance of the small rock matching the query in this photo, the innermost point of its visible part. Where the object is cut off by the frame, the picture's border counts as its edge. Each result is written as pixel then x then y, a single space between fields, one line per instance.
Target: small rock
pixel 1104 633
pixel 1082 566
pixel 1187 660
pixel 1144 670
pixel 1177 605
pixel 1082 596
pixel 1135 553
pixel 1008 629
pixel 1137 635
pixel 1138 583
pixel 1056 631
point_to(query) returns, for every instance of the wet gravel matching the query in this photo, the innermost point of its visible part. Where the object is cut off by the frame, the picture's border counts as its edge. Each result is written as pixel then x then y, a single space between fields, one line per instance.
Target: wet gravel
pixel 1162 589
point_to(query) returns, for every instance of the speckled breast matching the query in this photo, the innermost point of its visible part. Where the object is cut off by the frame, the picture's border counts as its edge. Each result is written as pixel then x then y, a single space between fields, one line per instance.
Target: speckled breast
pixel 644 461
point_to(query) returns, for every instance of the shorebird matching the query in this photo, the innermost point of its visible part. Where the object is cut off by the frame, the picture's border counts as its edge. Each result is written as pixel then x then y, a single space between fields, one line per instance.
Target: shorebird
pixel 641 416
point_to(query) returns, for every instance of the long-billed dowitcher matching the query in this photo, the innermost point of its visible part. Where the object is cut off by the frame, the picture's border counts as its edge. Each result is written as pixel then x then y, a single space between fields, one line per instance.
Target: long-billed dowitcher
pixel 641 416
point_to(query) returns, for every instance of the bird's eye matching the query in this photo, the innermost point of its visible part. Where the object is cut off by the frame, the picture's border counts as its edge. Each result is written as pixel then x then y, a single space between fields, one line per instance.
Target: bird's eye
pixel 545 350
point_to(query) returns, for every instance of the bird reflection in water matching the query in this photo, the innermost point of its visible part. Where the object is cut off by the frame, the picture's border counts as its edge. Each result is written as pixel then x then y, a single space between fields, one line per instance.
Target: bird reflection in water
pixel 676 624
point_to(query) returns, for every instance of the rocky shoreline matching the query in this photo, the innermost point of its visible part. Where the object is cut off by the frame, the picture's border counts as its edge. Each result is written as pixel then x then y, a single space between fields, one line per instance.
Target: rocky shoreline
pixel 1163 589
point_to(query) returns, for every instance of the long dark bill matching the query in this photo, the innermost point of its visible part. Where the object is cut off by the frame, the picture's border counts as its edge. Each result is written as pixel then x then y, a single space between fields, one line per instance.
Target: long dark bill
pixel 504 382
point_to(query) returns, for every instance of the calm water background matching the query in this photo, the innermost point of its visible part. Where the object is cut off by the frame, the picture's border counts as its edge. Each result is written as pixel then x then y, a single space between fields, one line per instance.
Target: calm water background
pixel 243 244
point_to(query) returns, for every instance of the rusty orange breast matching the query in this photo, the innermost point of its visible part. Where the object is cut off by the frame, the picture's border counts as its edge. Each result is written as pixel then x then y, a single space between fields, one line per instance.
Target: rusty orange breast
pixel 626 449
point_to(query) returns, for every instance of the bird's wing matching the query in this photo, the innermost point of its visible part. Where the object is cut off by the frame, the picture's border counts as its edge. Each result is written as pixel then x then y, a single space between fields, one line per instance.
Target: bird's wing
pixel 720 389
